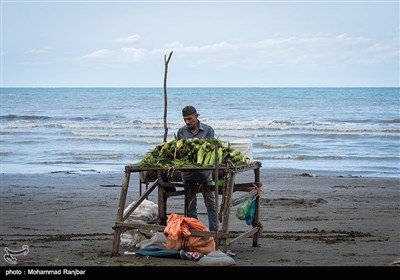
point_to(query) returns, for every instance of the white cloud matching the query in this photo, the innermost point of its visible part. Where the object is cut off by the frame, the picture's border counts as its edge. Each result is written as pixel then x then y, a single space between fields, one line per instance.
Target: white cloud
pixel 217 47
pixel 379 52
pixel 129 39
pixel 317 50
pixel 37 51
pixel 99 54
pixel 379 47
pixel 138 54
pixel 134 54
pixel 349 39
pixel 174 45
pixel 34 51
pixel 295 44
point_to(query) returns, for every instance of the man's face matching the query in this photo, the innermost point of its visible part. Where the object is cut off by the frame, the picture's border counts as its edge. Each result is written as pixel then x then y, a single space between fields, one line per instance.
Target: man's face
pixel 190 120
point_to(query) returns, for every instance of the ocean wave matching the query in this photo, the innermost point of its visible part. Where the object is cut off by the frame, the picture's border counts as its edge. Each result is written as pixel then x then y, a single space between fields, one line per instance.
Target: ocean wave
pixel 99 134
pixel 372 121
pixel 248 126
pixel 19 125
pixel 314 157
pixel 90 126
pixel 83 158
pixel 28 142
pixel 23 117
pixel 275 125
pixel 117 134
pixel 279 145
pixel 89 157
pixel 392 121
pixel 299 157
pixel 287 131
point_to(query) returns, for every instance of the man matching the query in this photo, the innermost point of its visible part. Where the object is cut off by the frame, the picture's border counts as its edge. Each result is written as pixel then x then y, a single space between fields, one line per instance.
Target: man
pixel 196 180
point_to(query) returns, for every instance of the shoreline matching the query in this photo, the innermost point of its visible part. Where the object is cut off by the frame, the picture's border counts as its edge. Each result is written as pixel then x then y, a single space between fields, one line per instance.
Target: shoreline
pixel 266 170
pixel 337 220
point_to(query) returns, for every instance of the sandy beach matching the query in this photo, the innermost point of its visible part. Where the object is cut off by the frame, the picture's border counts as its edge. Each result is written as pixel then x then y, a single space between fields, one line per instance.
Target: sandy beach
pixel 309 219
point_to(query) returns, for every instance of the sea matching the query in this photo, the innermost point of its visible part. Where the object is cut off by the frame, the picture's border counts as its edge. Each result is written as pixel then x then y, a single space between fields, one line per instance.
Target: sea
pixel 348 131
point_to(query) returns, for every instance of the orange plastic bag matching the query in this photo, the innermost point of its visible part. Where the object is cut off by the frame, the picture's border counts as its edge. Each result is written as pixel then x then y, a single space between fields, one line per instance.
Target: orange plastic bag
pixel 179 236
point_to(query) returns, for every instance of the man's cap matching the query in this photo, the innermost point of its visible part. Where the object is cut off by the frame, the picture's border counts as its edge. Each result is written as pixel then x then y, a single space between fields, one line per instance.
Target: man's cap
pixel 188 110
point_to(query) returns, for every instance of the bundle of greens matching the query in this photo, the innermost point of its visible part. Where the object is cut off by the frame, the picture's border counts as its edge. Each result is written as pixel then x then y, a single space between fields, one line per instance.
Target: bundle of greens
pixel 193 153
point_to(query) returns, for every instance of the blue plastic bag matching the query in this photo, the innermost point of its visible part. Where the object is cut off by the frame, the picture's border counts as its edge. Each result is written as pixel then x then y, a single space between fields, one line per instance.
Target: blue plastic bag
pixel 247 210
pixel 250 214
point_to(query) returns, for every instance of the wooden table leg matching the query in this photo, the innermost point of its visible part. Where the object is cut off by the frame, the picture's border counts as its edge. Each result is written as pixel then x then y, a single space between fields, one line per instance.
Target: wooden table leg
pixel 256 222
pixel 227 209
pixel 162 201
pixel 120 214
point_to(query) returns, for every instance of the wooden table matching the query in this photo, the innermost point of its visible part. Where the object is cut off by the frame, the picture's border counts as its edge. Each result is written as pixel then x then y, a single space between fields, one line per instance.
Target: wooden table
pixel 162 181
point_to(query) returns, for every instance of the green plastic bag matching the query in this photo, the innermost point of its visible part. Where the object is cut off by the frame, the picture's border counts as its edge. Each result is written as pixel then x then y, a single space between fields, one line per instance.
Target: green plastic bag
pixel 250 214
pixel 246 210
pixel 243 209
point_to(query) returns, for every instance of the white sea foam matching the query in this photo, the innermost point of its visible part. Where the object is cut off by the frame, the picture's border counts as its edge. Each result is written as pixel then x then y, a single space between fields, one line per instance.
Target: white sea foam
pixel 338 130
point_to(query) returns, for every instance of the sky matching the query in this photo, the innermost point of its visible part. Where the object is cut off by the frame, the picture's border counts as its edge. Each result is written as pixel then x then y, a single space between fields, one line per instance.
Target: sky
pixel 214 43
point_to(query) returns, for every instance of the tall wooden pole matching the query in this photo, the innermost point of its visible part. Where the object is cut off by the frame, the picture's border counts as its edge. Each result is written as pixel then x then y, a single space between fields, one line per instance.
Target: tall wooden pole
pixel 166 61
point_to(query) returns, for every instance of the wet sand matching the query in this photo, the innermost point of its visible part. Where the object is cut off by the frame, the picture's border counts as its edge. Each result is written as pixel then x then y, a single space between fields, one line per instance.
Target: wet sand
pixel 308 219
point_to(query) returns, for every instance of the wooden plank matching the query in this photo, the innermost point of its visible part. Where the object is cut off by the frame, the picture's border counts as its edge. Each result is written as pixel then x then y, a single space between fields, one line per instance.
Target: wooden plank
pixel 135 168
pixel 122 197
pixel 245 187
pixel 120 213
pixel 248 166
pixel 243 168
pixel 162 201
pixel 140 200
pixel 160 228
pixel 227 208
pixel 243 235
pixel 256 221
pixel 116 241
pixel 205 233
pixel 133 225
pixel 244 198
pixel 216 195
pixel 173 185
pixel 176 193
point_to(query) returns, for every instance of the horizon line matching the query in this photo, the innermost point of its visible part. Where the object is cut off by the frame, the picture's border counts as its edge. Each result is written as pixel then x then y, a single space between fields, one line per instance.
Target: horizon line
pixel 1 87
